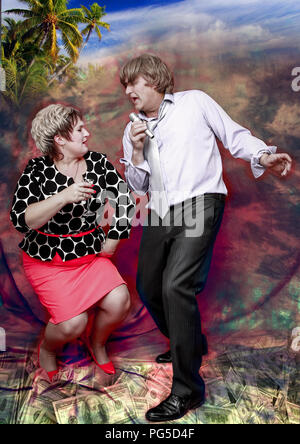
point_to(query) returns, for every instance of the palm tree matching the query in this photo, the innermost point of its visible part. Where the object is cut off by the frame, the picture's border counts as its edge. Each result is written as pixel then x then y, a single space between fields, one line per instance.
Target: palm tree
pixel 93 19
pixel 11 37
pixel 45 17
pixel 2 72
pixel 23 82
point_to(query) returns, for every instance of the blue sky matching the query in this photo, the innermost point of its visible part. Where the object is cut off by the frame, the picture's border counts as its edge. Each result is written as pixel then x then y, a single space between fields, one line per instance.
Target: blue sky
pixel 119 5
pixel 218 22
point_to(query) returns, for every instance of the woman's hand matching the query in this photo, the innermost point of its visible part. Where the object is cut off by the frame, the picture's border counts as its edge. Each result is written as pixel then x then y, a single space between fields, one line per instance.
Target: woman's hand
pixel 109 247
pixel 78 192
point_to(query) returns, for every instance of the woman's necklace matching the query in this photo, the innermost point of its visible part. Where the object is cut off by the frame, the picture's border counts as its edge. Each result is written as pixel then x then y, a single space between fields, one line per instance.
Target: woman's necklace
pixel 74 176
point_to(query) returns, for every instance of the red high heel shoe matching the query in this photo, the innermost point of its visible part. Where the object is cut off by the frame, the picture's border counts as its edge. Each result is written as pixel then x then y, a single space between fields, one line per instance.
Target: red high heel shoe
pixel 108 367
pixel 49 374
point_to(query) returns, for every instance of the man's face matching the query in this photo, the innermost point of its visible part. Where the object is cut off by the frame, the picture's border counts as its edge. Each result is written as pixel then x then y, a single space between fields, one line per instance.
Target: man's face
pixel 143 96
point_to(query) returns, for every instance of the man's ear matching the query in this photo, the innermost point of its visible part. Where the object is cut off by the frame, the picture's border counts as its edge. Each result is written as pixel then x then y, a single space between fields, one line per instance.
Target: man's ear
pixel 59 140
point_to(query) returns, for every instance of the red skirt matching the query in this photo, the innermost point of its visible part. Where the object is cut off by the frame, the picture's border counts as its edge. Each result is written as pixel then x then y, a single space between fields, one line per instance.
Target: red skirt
pixel 69 288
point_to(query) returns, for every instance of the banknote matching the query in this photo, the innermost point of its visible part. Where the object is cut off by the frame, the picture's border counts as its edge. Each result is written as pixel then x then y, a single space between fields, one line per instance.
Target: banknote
pixel 293 411
pixel 136 384
pixel 266 384
pixel 210 371
pixel 38 402
pixel 234 383
pixel 95 408
pixel 12 384
pixel 141 406
pixel 217 393
pixel 247 404
pixel 121 399
pixel 217 415
pixel 244 385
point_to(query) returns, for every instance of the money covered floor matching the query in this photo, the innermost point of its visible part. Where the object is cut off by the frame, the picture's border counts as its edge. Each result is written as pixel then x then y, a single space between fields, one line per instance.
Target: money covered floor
pixel 249 380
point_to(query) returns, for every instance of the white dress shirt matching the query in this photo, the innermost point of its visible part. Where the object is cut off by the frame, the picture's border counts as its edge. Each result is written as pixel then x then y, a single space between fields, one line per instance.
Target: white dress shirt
pixel 190 159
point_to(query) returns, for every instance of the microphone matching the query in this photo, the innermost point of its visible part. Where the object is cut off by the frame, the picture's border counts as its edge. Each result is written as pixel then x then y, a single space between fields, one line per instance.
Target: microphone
pixel 134 118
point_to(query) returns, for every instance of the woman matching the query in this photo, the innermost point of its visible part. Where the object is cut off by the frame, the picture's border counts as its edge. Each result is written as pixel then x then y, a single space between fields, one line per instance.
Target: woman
pixel 65 253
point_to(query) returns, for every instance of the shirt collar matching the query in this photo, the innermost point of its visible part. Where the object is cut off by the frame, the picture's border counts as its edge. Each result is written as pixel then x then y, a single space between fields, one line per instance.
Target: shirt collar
pixel 167 98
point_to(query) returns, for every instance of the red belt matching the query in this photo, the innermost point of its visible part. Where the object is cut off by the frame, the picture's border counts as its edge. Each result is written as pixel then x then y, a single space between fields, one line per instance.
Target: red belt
pixel 68 235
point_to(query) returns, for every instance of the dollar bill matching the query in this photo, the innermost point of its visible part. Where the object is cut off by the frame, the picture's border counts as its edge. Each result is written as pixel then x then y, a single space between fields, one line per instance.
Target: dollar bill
pixel 293 411
pixel 210 371
pixel 93 408
pixel 121 399
pixel 247 404
pixel 160 374
pixel 234 383
pixel 266 384
pixel 280 409
pixel 293 391
pixel 136 385
pixel 8 407
pixel 217 415
pixel 38 402
pixel 141 406
pixel 216 393
pixel 266 413
pixel 12 384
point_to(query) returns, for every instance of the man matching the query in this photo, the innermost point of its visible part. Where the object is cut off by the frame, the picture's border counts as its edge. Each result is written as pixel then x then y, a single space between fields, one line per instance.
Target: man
pixel 181 168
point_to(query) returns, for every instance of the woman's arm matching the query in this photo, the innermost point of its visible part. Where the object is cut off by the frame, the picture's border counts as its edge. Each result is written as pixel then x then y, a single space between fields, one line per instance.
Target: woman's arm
pixel 29 211
pixel 39 213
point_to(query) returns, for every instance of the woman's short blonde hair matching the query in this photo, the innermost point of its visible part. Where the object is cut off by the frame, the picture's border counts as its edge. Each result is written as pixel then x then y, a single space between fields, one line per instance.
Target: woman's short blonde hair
pixel 152 68
pixel 51 121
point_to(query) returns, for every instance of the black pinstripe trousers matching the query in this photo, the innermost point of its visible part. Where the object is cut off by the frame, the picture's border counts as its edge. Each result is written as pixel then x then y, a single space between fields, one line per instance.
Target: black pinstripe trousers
pixel 172 268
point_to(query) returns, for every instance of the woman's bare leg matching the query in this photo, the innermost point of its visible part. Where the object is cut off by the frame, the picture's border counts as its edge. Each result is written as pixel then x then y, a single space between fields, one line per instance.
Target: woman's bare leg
pixel 56 335
pixel 112 310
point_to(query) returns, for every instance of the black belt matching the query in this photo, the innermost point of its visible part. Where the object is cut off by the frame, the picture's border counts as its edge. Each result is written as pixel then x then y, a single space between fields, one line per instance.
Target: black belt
pixel 192 200
pixel 219 196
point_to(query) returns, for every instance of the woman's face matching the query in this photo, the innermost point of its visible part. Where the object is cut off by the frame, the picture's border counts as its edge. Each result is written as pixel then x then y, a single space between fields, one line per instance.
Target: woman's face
pixel 76 147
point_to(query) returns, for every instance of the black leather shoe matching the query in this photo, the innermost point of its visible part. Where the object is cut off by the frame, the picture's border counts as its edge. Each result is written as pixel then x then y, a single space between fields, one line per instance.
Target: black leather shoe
pixel 174 407
pixel 166 357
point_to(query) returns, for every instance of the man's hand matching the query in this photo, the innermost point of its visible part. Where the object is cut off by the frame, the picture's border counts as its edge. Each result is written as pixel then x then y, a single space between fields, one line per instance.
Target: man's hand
pixel 109 247
pixel 137 136
pixel 280 163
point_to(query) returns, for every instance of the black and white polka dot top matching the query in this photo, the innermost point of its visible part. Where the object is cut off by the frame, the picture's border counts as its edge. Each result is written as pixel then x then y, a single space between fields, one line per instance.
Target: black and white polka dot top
pixel 41 180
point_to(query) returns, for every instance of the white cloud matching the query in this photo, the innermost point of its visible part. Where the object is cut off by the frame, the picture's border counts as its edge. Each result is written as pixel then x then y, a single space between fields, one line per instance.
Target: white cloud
pixel 12 4
pixel 217 22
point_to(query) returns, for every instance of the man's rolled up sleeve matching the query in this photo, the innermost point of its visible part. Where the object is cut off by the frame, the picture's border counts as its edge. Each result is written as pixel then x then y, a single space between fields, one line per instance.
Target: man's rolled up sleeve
pixel 256 167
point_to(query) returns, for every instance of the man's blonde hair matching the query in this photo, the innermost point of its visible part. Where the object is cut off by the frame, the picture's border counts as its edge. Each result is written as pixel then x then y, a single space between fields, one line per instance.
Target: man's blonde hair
pixel 51 121
pixel 152 68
